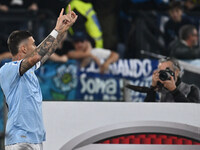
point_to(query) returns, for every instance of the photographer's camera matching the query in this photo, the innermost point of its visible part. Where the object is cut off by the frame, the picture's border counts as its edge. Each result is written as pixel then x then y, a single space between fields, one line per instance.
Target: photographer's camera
pixel 165 74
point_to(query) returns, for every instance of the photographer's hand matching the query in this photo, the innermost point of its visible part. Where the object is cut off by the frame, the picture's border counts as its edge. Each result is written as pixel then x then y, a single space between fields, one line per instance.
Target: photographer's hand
pixel 155 78
pixel 169 84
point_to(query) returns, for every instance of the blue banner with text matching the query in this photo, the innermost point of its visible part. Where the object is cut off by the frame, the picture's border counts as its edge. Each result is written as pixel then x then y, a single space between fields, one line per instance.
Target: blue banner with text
pixel 70 82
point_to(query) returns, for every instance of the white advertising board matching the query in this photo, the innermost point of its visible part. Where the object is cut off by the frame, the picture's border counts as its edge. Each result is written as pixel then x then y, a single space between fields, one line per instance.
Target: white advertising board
pixel 77 125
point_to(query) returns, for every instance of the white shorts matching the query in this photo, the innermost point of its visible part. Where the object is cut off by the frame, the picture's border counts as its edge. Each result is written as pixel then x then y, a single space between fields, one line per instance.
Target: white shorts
pixel 24 146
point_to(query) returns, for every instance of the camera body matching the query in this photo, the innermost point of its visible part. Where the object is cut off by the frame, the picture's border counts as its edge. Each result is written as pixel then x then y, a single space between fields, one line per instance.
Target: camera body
pixel 165 74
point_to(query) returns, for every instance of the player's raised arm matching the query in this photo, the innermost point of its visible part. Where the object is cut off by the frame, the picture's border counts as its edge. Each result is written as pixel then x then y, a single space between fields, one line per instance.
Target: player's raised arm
pixel 49 44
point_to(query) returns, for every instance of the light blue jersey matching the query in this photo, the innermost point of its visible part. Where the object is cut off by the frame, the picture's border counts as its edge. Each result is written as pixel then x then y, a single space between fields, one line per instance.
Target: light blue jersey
pixel 24 99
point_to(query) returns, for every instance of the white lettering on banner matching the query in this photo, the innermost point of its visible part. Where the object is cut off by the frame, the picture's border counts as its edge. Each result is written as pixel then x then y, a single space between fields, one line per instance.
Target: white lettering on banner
pixel 122 68
pixel 147 67
pixel 92 68
pixel 97 85
pixel 111 86
pixel 136 68
pixel 127 68
pixel 107 88
pixel 139 68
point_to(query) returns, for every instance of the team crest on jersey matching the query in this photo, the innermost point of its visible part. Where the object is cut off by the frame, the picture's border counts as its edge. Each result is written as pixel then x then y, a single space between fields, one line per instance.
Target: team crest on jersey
pixel 15 63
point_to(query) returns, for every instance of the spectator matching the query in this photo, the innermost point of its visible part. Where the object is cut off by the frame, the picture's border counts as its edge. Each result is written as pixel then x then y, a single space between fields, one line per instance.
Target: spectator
pixel 176 21
pixel 191 6
pixel 186 46
pixel 5 5
pixel 171 88
pixel 85 52
pixel 87 21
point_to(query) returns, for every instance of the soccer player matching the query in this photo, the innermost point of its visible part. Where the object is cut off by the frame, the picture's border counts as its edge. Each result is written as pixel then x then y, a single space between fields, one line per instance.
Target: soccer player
pixel 25 129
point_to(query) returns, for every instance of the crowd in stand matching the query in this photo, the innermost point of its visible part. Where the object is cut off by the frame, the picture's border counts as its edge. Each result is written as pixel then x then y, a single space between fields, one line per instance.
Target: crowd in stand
pixel 167 27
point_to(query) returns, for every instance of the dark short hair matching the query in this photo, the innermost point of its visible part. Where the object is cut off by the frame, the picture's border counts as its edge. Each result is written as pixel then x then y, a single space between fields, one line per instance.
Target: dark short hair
pixel 79 36
pixel 82 36
pixel 186 31
pixel 175 5
pixel 15 38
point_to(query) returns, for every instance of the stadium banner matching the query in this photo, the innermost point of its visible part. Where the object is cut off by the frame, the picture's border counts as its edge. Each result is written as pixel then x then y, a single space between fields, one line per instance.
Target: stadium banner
pixel 70 82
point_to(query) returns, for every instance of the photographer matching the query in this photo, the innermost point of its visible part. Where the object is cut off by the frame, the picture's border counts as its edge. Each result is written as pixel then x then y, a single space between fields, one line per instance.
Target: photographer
pixel 167 81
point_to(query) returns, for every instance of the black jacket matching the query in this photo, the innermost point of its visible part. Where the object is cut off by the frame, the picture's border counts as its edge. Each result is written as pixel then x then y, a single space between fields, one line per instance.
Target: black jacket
pixel 180 50
pixel 183 93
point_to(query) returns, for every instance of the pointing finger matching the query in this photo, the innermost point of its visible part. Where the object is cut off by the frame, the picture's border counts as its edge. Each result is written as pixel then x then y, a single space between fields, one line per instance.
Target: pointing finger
pixel 61 13
pixel 69 11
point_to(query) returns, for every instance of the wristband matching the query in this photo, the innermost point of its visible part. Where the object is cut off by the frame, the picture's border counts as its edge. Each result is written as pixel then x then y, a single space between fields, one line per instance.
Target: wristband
pixel 54 33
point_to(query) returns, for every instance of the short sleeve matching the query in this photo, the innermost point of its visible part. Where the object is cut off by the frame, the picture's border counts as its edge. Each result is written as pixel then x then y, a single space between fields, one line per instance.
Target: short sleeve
pixel 101 53
pixel 12 68
pixel 9 75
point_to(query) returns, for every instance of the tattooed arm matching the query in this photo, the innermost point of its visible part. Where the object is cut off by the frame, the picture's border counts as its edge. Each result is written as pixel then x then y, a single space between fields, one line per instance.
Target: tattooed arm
pixel 54 47
pixel 36 55
pixel 49 44
pixel 41 53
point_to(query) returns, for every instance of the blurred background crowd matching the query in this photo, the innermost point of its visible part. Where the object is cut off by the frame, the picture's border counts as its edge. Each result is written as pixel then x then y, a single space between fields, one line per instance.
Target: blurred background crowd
pixel 166 27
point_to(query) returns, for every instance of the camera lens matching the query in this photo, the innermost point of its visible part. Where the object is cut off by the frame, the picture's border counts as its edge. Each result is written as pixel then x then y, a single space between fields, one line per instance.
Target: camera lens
pixel 164 75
